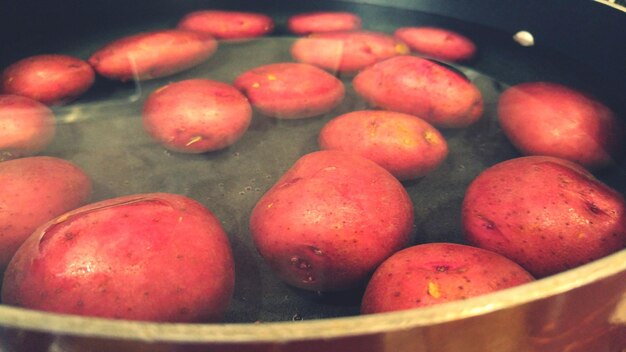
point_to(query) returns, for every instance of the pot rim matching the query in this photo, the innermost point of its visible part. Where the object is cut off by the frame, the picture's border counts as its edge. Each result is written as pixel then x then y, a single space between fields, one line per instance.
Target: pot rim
pixel 62 324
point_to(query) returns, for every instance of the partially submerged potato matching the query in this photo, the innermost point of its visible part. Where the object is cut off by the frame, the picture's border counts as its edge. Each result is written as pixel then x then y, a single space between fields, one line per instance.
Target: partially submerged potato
pixel 543 118
pixel 156 257
pixel 439 43
pixel 346 51
pixel 35 190
pixel 436 273
pixel 196 115
pixel 323 21
pixel 152 54
pixel 223 24
pixel 420 87
pixel 405 145
pixel 26 126
pixel 330 220
pixel 50 79
pixel 290 90
pixel 545 213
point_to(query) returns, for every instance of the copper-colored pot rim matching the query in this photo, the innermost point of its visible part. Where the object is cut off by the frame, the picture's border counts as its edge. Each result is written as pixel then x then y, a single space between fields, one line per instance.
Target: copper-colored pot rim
pixel 315 329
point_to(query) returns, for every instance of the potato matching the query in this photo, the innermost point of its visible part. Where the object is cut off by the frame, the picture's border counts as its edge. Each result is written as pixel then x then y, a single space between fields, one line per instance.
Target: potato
pixel 436 273
pixel 155 257
pixel 330 220
pixel 35 190
pixel 547 214
pixel 227 24
pixel 151 55
pixel 323 21
pixel 196 115
pixel 420 87
pixel 291 90
pixel 406 146
pixel 26 127
pixel 438 43
pixel 543 118
pixel 50 79
pixel 346 51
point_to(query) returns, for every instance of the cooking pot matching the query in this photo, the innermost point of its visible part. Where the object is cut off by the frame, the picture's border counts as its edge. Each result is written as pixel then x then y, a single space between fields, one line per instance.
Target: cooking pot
pixel 578 43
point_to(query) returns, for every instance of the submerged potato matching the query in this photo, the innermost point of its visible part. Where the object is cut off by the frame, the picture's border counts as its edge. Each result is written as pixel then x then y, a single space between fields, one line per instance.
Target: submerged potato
pixel 330 220
pixel 438 43
pixel 436 273
pixel 346 51
pixel 227 24
pixel 545 213
pixel 35 190
pixel 50 79
pixel 26 127
pixel 156 257
pixel 323 21
pixel 196 115
pixel 405 145
pixel 151 55
pixel 543 118
pixel 291 90
pixel 420 87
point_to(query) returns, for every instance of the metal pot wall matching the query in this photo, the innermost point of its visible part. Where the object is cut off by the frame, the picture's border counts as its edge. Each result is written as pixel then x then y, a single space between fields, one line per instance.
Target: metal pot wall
pixel 577 43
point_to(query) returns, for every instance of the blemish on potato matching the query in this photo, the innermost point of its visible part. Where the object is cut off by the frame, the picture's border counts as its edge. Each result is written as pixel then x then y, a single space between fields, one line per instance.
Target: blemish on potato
pixel 271 77
pixel 316 250
pixel 442 268
pixel 256 85
pixel 433 290
pixel 401 49
pixel 300 263
pixel 193 140
pixel 430 137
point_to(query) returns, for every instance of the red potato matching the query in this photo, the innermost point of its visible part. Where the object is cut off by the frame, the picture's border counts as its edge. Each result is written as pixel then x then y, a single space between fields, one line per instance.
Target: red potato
pixel 323 21
pixel 35 190
pixel 436 273
pixel 155 257
pixel 152 54
pixel 438 43
pixel 330 220
pixel 291 90
pixel 49 79
pixel 420 87
pixel 196 116
pixel 547 214
pixel 542 118
pixel 227 24
pixel 406 146
pixel 26 127
pixel 348 51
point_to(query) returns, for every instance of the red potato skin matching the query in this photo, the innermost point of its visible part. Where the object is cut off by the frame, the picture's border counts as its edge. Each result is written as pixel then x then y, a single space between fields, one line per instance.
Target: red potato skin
pixel 543 118
pixel 547 214
pixel 154 257
pixel 436 273
pixel 346 51
pixel 196 116
pixel 438 43
pixel 227 24
pixel 291 90
pixel 35 190
pixel 406 146
pixel 50 79
pixel 151 55
pixel 420 87
pixel 323 21
pixel 330 220
pixel 26 127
